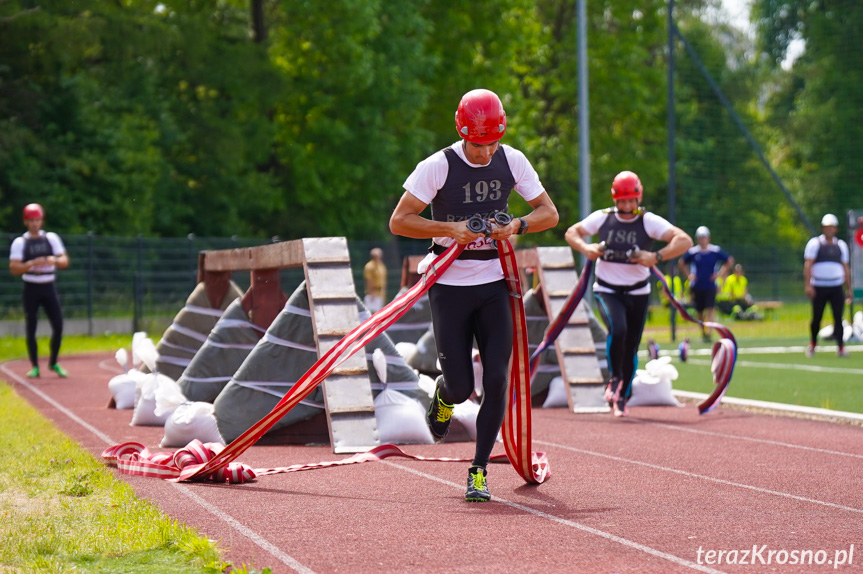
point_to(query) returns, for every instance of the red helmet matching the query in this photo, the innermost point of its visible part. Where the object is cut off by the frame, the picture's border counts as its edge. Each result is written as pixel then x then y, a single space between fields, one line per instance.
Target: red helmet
pixel 34 211
pixel 626 185
pixel 480 117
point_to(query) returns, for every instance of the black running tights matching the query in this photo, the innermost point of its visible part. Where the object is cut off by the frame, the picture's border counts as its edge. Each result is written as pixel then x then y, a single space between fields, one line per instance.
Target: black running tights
pixel 42 295
pixel 624 317
pixel 836 297
pixel 460 315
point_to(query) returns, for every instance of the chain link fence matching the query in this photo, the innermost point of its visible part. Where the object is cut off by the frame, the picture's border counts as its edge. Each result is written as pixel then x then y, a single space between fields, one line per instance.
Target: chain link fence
pixel 138 283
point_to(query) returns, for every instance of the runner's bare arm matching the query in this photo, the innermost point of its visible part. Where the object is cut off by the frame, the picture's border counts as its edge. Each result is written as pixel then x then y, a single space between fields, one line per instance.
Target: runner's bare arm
pixel 406 221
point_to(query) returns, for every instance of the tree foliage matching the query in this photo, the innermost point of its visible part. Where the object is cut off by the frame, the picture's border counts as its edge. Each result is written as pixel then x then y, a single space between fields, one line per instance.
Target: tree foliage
pixel 294 118
pixel 816 106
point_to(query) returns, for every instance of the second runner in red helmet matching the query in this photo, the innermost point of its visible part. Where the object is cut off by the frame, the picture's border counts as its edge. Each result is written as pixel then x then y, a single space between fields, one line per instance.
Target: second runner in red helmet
pixel 624 251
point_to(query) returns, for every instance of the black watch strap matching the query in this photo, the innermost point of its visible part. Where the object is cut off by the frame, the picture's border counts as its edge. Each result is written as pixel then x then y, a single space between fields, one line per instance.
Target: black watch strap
pixel 523 228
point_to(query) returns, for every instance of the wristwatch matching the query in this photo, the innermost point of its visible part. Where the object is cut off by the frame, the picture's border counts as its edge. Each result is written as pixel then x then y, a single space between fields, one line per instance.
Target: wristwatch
pixel 658 256
pixel 523 228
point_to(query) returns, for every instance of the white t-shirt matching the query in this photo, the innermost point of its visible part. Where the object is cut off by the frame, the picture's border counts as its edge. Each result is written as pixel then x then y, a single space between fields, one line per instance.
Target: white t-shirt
pixel 624 273
pixel 430 175
pixel 41 273
pixel 826 273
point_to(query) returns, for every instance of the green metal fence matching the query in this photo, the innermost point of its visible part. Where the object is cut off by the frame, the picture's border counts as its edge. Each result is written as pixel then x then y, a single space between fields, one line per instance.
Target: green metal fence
pixel 144 278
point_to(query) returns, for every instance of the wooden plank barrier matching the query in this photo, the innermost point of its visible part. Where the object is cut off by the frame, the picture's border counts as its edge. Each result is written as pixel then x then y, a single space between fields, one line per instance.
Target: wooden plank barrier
pixel 555 278
pixel 349 406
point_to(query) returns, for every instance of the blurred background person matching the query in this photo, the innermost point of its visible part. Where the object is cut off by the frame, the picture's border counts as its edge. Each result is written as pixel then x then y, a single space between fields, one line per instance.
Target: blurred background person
pixel 375 274
pixel 733 298
pixel 826 272
pixel 36 256
pixel 703 264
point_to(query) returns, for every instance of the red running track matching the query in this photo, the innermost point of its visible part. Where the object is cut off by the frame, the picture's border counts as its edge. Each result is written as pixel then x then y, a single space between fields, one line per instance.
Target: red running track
pixel 663 491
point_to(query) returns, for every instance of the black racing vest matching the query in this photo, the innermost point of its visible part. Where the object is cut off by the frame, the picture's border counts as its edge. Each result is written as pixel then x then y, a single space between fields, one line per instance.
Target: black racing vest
pixel 470 190
pixel 36 247
pixel 620 237
pixel 828 252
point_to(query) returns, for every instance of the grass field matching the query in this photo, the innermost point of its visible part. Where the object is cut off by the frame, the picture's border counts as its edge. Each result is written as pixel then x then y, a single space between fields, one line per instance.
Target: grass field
pixel 62 510
pixel 771 365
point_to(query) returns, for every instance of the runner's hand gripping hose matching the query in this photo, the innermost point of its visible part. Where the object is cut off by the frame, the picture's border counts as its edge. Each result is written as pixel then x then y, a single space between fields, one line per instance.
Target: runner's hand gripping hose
pixel 479 225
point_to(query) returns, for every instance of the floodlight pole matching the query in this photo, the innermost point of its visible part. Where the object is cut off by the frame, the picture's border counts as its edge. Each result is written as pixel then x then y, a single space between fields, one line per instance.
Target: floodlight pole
pixel 583 118
pixel 671 156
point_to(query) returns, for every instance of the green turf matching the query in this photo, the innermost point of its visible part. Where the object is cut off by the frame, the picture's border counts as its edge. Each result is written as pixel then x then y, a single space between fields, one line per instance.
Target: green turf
pixel 64 511
pixel 823 381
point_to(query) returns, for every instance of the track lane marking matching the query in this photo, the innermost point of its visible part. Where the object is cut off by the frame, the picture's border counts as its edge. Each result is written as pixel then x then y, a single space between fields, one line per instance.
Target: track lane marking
pixel 572 524
pixel 703 477
pixel 786 366
pixel 232 523
pixel 750 439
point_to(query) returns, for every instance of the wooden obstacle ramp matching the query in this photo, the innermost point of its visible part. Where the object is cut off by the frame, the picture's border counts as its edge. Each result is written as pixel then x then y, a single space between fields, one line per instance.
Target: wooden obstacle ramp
pixel 555 278
pixel 349 407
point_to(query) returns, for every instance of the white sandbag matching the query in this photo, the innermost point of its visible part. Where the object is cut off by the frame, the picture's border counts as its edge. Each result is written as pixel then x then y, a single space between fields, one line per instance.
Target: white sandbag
pixel 144 351
pixel 122 357
pixel 427 384
pixel 652 385
pixel 379 361
pixel 826 332
pixel 190 421
pixel 465 415
pixel 407 350
pixel 857 327
pixel 137 337
pixel 401 419
pixel 148 389
pixel 168 396
pixel 123 387
pixel 557 396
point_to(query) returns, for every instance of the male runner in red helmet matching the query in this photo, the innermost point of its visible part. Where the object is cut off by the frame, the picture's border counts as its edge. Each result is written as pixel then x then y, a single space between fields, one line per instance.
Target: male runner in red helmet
pixel 470 301
pixel 35 256
pixel 624 254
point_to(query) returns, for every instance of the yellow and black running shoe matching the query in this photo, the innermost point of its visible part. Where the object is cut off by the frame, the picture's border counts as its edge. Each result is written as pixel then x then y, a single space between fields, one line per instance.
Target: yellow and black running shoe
pixel 477 487
pixel 439 414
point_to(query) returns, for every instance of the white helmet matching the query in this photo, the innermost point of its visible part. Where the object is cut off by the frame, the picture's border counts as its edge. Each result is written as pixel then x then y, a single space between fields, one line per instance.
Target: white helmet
pixel 829 220
pixel 702 231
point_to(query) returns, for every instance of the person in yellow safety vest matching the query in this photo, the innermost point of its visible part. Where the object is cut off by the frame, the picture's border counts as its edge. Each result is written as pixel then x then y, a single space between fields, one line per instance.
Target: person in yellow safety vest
pixel 735 299
pixel 679 289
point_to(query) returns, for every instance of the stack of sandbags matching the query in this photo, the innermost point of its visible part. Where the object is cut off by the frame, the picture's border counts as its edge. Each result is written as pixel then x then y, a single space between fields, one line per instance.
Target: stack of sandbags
pixel 284 354
pixel 189 330
pixel 227 346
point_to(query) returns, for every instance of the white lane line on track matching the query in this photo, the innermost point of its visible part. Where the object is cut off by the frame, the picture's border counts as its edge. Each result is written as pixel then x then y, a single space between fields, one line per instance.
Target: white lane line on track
pixel 787 366
pixel 702 477
pixel 749 439
pixel 245 531
pixel 570 523
pixel 256 538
